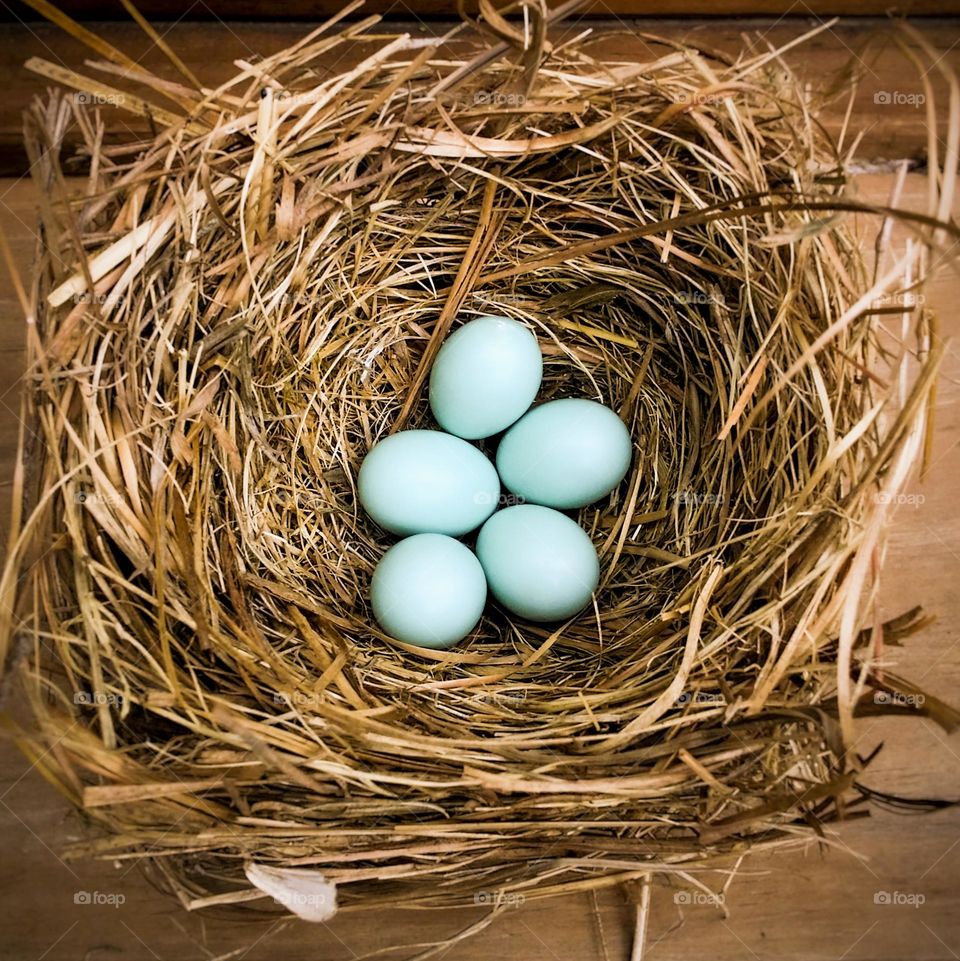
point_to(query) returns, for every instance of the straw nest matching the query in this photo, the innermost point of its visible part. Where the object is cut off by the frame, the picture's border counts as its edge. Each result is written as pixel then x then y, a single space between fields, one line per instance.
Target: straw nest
pixel 230 313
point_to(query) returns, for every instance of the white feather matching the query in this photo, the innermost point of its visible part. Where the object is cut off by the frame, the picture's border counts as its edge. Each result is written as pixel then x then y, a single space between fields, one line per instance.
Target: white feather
pixel 306 893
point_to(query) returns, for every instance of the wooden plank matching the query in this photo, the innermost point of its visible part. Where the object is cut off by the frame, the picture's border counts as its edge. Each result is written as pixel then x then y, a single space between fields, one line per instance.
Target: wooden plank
pixel 813 905
pixel 892 129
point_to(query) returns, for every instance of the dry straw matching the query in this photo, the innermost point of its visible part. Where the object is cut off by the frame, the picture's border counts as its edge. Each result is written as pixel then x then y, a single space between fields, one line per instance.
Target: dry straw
pixel 226 316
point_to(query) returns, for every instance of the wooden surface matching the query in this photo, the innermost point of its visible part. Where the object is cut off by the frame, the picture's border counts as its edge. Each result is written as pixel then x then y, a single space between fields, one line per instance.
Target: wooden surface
pixel 890 129
pixel 815 904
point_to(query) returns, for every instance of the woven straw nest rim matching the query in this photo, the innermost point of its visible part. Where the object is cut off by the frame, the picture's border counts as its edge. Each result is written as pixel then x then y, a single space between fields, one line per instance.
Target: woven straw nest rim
pixel 234 313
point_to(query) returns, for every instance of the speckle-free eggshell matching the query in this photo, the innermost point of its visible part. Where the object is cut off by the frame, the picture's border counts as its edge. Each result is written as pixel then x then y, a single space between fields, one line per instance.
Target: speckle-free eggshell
pixel 485 376
pixel 426 481
pixel 566 453
pixel 539 563
pixel 428 590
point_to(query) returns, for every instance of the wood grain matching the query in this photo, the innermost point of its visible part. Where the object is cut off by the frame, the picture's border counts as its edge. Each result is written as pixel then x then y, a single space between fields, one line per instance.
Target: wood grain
pixel 889 129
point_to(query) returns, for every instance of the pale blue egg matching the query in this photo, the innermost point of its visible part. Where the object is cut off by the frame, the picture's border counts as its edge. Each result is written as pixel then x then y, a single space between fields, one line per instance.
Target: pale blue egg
pixel 539 563
pixel 428 590
pixel 425 481
pixel 485 376
pixel 565 454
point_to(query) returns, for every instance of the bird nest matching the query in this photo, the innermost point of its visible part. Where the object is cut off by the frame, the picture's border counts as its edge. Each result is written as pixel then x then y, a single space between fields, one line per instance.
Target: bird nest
pixel 229 313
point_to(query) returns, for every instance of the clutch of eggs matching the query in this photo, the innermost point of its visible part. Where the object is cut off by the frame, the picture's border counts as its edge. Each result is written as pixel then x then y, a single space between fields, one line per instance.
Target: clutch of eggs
pixel 431 487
